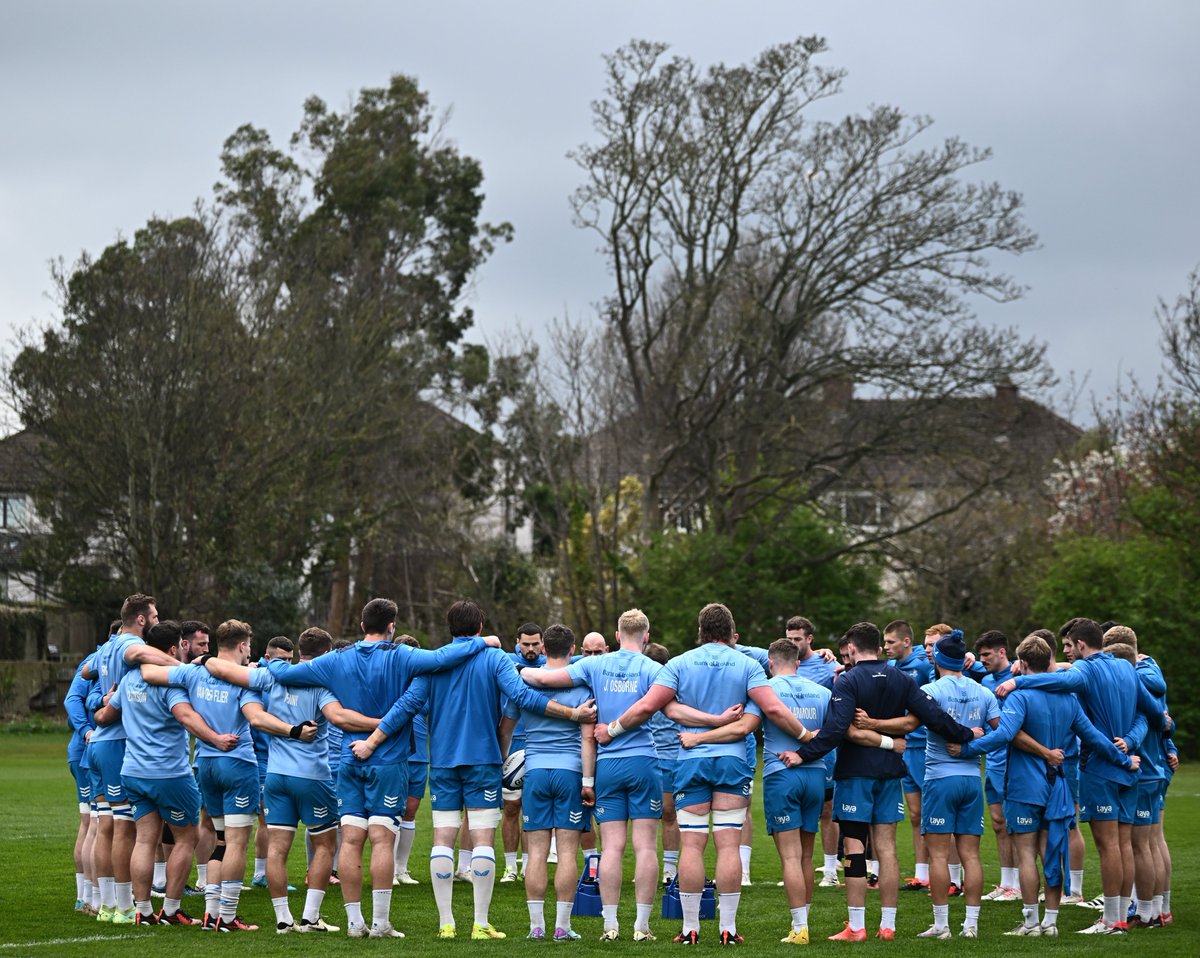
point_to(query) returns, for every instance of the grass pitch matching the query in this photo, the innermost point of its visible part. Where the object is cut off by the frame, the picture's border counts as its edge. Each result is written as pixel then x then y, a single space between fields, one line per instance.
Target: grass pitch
pixel 37 826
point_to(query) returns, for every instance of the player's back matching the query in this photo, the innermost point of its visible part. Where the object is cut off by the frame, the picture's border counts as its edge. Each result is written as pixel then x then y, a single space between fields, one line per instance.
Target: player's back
pixel 806 700
pixel 969 704
pixel 288 756
pixel 618 680
pixel 220 705
pixel 110 667
pixel 554 742
pixel 156 744
pixel 464 710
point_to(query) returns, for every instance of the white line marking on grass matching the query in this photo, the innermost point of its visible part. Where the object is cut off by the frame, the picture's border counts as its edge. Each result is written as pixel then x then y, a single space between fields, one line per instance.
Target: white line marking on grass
pixel 67 941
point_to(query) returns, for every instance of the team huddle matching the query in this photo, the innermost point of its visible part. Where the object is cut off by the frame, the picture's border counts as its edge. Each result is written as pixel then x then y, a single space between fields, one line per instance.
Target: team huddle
pixel 568 748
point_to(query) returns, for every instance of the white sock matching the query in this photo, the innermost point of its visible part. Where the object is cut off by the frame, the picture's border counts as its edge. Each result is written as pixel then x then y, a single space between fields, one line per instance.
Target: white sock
pixel 972 919
pixel 799 917
pixel 160 873
pixel 887 918
pixel 381 906
pixel 1051 917
pixel 670 864
pixel 1077 883
pixel 922 873
pixel 260 868
pixel 956 874
pixel 537 912
pixel 144 908
pixel 727 908
pixel 96 896
pixel 510 862
pixel 404 844
pixel 231 892
pixel 562 914
pixel 941 916
pixel 483 876
pixel 212 899
pixel 464 859
pixel 689 902
pixel 831 864
pixel 283 914
pixel 873 867
pixel 79 884
pixel 1166 897
pixel 312 904
pixel 858 918
pixel 354 916
pixel 202 874
pixel 642 921
pixel 1031 915
pixel 744 851
pixel 170 906
pixel 1010 878
pixel 124 895
pixel 1156 906
pixel 441 876
pixel 609 913
pixel 524 862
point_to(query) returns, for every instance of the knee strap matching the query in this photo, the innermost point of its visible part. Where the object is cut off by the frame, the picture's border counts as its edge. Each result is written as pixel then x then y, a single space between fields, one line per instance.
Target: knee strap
pixel 729 817
pixel 483 818
pixel 691 821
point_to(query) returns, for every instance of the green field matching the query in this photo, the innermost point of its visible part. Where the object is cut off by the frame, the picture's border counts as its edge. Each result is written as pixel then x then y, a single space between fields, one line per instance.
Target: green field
pixel 38 816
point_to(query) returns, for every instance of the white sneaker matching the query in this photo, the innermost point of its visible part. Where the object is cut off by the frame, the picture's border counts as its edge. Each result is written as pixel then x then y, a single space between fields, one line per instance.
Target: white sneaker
pixel 969 931
pixel 463 874
pixel 1096 904
pixel 1072 900
pixel 1049 931
pixel 357 931
pixel 1101 927
pixel 828 881
pixel 991 896
pixel 404 878
pixel 1008 894
pixel 933 931
pixel 384 931
pixel 612 934
pixel 510 875
pixel 1025 931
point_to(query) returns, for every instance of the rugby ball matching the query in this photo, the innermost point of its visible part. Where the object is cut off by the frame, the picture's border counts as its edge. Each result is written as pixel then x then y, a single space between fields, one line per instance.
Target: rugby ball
pixel 513 771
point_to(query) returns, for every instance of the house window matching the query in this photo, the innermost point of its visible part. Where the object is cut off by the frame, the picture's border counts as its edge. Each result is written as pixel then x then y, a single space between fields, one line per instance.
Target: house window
pixel 862 509
pixel 14 512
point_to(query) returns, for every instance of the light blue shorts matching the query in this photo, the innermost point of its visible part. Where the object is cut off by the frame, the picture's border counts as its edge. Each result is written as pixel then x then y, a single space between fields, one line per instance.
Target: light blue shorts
pixel 697 779
pixel 290 799
pixel 552 799
pixel 106 758
pixel 628 788
pixel 465 786
pixel 793 798
pixel 418 777
pixel 366 790
pixel 876 801
pixel 952 806
pixel 1149 802
pixel 914 770
pixel 176 800
pixel 1105 801
pixel 228 786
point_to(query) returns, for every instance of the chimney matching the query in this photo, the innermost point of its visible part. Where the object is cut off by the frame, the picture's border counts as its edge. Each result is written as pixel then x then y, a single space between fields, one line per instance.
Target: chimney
pixel 838 392
pixel 1007 396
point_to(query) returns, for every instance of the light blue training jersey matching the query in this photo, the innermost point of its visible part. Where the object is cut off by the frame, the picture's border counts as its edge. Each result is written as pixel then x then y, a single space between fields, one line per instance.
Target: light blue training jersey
pixel 711 678
pixel 464 707
pixel 289 756
pixel 220 705
pixel 156 744
pixel 969 704
pixel 917 667
pixel 617 680
pixel 554 742
pixel 371 677
pixel 111 668
pixel 806 700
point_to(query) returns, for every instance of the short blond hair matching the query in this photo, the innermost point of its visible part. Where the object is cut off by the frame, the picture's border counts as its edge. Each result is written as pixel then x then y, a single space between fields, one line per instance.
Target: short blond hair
pixel 940 629
pixel 1120 635
pixel 633 623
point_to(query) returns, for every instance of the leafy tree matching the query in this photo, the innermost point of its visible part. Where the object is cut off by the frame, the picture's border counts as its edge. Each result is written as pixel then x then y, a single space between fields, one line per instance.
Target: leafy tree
pixel 676 576
pixel 764 259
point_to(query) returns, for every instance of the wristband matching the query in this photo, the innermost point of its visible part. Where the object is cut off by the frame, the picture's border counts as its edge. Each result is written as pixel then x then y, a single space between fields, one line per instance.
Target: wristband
pixel 887 743
pixel 615 728
pixel 203 659
pixel 589 781
pixel 296 730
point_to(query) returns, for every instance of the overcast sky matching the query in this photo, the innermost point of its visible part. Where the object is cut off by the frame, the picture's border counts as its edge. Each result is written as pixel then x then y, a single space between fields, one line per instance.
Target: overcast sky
pixel 116 111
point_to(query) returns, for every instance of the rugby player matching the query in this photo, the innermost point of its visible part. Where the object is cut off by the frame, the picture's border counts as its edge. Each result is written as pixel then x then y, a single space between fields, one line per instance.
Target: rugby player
pixel 465 757
pixel 1038 806
pixel 560 777
pixel 158 779
pixel 992 649
pixel 369 678
pixel 867 795
pixel 115 830
pixel 528 654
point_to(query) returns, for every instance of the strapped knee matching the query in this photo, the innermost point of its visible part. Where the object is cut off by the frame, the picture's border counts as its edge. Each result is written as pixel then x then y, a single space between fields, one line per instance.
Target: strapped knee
pixel 729 817
pixel 856 865
pixel 858 831
pixel 482 818
pixel 218 853
pixel 387 821
pixel 122 813
pixel 447 819
pixel 691 821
